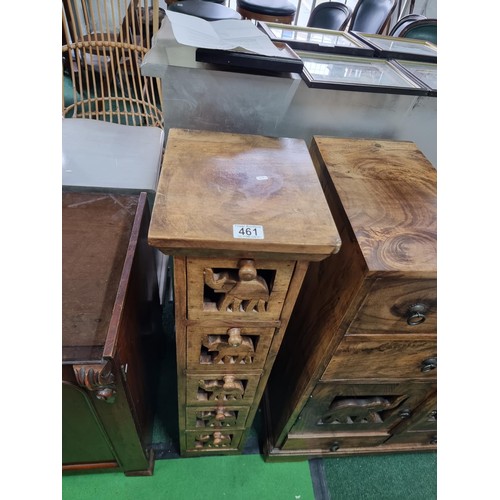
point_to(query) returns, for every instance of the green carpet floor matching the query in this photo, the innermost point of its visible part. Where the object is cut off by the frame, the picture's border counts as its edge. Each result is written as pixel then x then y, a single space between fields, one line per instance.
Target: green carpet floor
pixel 245 477
pixel 408 476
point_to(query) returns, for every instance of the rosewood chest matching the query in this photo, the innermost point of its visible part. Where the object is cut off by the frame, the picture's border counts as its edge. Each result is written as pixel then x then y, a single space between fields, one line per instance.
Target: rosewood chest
pixel 111 320
pixel 242 215
pixel 357 370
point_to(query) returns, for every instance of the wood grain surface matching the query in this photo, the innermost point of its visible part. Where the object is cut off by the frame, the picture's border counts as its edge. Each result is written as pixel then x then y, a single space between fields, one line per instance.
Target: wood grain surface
pixel 212 180
pixel 388 191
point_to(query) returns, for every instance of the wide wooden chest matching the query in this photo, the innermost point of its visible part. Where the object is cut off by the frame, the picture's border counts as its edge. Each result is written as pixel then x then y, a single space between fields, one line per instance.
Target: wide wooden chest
pixel 357 369
pixel 242 215
pixel 111 320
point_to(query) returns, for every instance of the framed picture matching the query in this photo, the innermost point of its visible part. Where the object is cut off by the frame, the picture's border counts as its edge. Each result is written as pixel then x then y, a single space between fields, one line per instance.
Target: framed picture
pixel 315 39
pixel 424 73
pixel 284 61
pixel 390 47
pixel 357 74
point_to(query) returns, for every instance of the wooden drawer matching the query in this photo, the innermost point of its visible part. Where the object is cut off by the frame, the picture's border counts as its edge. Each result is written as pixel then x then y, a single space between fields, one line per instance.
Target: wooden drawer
pixel 227 349
pixel 378 359
pixel 211 441
pixel 398 306
pixel 341 441
pixel 216 417
pixel 208 389
pixel 354 407
pixel 237 289
pixel 418 438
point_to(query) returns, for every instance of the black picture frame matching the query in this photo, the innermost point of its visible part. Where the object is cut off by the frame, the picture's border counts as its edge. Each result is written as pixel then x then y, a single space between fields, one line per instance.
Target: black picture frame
pixel 349 65
pixel 389 47
pixel 353 46
pixel 249 61
pixel 424 73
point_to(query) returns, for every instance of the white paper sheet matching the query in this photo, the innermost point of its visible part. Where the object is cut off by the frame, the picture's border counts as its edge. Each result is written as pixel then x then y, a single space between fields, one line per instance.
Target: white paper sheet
pixel 224 35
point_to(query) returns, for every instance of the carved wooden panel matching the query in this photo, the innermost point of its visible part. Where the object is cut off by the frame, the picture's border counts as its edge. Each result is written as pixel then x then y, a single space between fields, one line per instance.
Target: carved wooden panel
pixel 224 349
pixel 245 289
pixel 228 389
pixel 346 407
pixel 210 440
pixel 355 358
pixel 216 417
pixel 398 306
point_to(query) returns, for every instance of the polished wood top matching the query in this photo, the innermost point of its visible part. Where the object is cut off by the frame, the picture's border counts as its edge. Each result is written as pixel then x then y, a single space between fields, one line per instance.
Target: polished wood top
pixel 212 181
pixel 388 192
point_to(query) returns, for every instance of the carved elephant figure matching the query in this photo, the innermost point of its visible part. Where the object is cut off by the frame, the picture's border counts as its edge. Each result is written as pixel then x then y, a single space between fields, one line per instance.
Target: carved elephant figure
pixel 217 418
pixel 236 349
pixel 228 389
pixel 245 292
pixel 356 410
pixel 216 440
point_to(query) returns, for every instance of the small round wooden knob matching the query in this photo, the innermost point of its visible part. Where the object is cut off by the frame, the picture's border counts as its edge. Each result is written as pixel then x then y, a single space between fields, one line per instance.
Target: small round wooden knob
pixel 219 416
pixel 229 382
pixel 217 438
pixel 234 337
pixel 247 271
pixel 428 365
pixel 416 314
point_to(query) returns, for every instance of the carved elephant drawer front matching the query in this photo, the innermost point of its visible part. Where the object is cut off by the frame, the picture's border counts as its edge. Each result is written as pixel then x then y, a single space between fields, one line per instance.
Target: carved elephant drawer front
pixel 398 306
pixel 228 389
pixel 348 407
pixel 237 289
pixel 227 349
pixel 213 441
pixel 383 359
pixel 216 417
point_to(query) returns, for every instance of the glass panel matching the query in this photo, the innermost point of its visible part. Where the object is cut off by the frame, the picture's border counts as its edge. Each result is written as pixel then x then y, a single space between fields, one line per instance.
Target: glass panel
pixel 349 70
pixel 402 45
pixel 425 72
pixel 333 38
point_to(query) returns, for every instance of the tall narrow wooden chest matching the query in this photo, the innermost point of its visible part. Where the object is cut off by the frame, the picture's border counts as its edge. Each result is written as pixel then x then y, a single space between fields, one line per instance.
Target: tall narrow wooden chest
pixel 242 215
pixel 357 370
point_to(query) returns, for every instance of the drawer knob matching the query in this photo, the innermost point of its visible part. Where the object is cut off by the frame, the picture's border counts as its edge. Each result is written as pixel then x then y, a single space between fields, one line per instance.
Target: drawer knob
pixel 428 365
pixel 335 446
pixel 406 413
pixel 416 314
pixel 234 337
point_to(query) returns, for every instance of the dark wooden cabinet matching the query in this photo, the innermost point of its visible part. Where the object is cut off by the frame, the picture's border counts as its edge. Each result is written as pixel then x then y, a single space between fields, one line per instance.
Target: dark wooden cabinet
pixel 356 372
pixel 222 210
pixel 111 320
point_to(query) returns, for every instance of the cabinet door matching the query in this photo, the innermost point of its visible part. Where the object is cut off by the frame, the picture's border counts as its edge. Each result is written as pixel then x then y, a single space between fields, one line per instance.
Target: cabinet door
pixel 83 438
pixel 353 407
